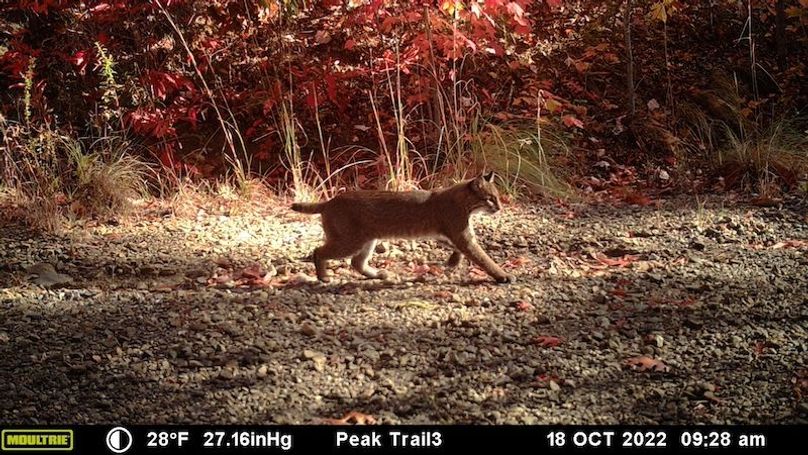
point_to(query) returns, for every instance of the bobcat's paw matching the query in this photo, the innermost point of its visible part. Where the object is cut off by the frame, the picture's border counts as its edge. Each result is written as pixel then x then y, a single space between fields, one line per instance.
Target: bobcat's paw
pixel 505 279
pixel 382 275
pixel 324 277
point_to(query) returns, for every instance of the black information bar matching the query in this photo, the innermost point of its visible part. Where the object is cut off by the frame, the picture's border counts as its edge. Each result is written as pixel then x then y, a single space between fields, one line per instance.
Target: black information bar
pixel 421 439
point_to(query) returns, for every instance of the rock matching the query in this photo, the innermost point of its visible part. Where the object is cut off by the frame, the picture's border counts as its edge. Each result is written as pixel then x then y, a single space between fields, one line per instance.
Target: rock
pixel 697 245
pixel 308 329
pixel 694 323
pixel 318 359
pixel 371 354
pixel 319 363
pixel 707 386
pixel 227 373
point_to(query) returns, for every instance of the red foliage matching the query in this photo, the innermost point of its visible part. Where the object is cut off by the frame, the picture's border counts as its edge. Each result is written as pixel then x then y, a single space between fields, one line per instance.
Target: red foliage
pixel 510 58
pixel 548 341
pixel 237 48
pixel 164 84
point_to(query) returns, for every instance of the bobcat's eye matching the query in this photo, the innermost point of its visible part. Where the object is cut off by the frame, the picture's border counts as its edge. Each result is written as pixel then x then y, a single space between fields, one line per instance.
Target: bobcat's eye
pixel 490 201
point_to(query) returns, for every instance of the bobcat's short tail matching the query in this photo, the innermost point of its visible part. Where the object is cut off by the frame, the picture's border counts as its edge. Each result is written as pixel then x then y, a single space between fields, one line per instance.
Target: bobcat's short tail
pixel 308 207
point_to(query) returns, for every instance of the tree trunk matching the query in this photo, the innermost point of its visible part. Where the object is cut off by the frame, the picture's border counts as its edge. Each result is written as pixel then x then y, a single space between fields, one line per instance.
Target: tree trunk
pixel 632 105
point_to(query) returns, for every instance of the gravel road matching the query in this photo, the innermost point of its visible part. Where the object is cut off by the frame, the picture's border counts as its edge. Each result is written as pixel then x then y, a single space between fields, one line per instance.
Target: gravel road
pixel 682 312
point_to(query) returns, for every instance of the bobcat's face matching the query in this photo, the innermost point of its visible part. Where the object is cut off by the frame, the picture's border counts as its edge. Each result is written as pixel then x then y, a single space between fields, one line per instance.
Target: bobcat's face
pixel 485 194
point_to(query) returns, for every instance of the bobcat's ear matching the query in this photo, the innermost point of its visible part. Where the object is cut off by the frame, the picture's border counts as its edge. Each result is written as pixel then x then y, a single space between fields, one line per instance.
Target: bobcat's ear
pixel 489 177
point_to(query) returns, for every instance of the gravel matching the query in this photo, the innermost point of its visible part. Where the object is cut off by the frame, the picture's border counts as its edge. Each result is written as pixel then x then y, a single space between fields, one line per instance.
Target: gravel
pixel 217 319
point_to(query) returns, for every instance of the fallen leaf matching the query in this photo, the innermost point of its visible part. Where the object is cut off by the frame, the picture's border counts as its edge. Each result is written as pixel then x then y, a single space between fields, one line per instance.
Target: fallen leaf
pixel 622 261
pixel 477 272
pixel 425 269
pixel 517 262
pixel 544 380
pixel 645 363
pixel 523 306
pixel 548 341
pixel 619 293
pixel 442 294
pixel 680 261
pixel 790 244
pixel 254 271
pixel 572 121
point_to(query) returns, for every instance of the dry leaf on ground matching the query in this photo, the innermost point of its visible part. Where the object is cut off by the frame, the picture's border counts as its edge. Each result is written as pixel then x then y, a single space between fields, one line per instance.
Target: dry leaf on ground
pixel 548 341
pixel 645 363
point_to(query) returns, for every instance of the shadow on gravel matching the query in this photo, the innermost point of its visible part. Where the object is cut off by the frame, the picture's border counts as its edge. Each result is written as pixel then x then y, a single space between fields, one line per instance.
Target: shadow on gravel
pixel 90 361
pixel 375 286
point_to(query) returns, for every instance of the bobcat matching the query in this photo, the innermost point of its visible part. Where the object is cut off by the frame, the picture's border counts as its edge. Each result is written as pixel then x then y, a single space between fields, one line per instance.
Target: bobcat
pixel 355 220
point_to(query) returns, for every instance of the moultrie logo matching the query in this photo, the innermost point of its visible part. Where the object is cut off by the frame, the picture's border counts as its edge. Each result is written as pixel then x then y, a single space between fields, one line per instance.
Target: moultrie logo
pixel 33 440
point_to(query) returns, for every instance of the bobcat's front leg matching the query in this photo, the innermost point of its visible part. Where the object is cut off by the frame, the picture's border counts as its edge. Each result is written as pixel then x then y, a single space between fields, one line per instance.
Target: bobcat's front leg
pixel 466 244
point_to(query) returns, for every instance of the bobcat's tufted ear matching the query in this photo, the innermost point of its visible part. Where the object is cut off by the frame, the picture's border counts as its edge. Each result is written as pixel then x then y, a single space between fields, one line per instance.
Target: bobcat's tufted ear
pixel 489 177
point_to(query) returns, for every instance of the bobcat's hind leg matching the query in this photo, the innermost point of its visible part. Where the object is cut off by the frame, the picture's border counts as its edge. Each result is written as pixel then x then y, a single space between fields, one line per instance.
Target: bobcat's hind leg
pixel 361 259
pixel 331 250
